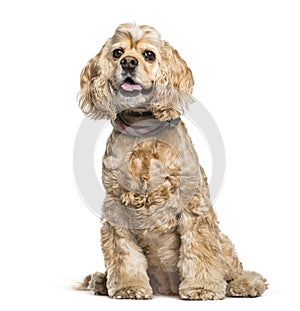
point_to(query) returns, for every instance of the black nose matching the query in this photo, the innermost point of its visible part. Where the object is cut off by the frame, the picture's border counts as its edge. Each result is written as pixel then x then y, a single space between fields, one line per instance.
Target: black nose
pixel 129 63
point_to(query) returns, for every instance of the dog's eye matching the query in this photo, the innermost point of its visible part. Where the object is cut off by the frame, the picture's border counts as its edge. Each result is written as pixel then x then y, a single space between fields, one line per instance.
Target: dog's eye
pixel 149 56
pixel 117 53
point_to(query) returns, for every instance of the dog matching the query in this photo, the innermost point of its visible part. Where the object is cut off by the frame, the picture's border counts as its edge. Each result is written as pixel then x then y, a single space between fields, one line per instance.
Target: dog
pixel 160 234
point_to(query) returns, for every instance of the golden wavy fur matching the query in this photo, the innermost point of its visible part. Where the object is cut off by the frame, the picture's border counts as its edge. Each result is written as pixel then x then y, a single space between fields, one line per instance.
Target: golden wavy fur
pixel 170 74
pixel 160 233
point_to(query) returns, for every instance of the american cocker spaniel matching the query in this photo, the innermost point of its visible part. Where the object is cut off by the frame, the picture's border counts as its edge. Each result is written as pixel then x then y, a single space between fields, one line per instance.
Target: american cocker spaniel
pixel 159 232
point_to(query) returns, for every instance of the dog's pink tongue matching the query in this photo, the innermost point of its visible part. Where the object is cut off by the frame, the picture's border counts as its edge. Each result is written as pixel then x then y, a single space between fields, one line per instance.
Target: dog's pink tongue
pixel 130 87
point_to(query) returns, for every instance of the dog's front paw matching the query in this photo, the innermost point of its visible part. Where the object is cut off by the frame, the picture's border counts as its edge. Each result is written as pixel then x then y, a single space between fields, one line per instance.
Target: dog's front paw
pixel 200 294
pixel 133 292
pixel 203 291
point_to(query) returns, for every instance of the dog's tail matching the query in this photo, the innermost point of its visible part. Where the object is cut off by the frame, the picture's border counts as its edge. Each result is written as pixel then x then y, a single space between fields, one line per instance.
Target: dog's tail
pixel 83 285
pixel 94 282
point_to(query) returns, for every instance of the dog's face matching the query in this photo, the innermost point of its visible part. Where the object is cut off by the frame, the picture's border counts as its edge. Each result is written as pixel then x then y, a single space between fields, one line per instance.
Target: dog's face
pixel 134 63
pixel 136 70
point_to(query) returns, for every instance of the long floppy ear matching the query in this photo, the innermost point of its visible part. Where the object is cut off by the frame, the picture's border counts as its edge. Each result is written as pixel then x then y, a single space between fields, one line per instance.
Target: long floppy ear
pixel 174 85
pixel 94 96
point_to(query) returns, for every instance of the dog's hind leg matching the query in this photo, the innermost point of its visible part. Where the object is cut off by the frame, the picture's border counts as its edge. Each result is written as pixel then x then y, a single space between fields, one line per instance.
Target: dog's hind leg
pixel 94 282
pixel 240 283
pixel 247 284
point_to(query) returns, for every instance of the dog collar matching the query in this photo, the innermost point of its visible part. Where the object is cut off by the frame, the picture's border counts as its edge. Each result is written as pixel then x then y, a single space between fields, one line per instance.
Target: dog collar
pixel 143 128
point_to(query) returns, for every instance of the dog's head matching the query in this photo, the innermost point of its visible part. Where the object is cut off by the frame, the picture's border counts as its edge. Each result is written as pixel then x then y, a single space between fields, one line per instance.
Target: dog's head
pixel 136 70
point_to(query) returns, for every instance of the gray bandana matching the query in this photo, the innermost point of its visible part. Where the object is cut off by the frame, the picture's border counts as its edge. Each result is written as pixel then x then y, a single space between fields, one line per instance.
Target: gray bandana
pixel 144 128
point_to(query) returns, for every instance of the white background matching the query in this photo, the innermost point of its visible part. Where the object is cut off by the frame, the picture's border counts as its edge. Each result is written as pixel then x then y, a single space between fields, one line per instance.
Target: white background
pixel 246 64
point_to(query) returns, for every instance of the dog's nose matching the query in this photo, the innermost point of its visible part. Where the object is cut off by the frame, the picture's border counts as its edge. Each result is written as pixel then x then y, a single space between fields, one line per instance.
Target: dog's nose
pixel 129 63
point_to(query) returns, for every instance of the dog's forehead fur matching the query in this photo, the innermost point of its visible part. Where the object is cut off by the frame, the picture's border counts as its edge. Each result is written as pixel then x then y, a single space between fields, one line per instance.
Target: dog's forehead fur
pixel 135 34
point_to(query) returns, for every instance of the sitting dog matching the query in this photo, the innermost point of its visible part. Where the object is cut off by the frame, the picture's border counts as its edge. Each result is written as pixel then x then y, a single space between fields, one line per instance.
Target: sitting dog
pixel 160 233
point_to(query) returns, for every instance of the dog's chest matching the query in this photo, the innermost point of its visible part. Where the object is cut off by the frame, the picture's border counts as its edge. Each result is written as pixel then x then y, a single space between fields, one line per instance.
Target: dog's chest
pixel 149 181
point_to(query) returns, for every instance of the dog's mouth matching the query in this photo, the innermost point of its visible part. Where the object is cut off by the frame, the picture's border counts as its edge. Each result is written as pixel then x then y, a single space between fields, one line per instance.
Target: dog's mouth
pixel 130 87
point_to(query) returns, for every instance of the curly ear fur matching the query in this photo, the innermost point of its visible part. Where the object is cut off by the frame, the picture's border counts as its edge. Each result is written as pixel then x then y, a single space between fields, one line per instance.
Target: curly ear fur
pixel 174 85
pixel 94 95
